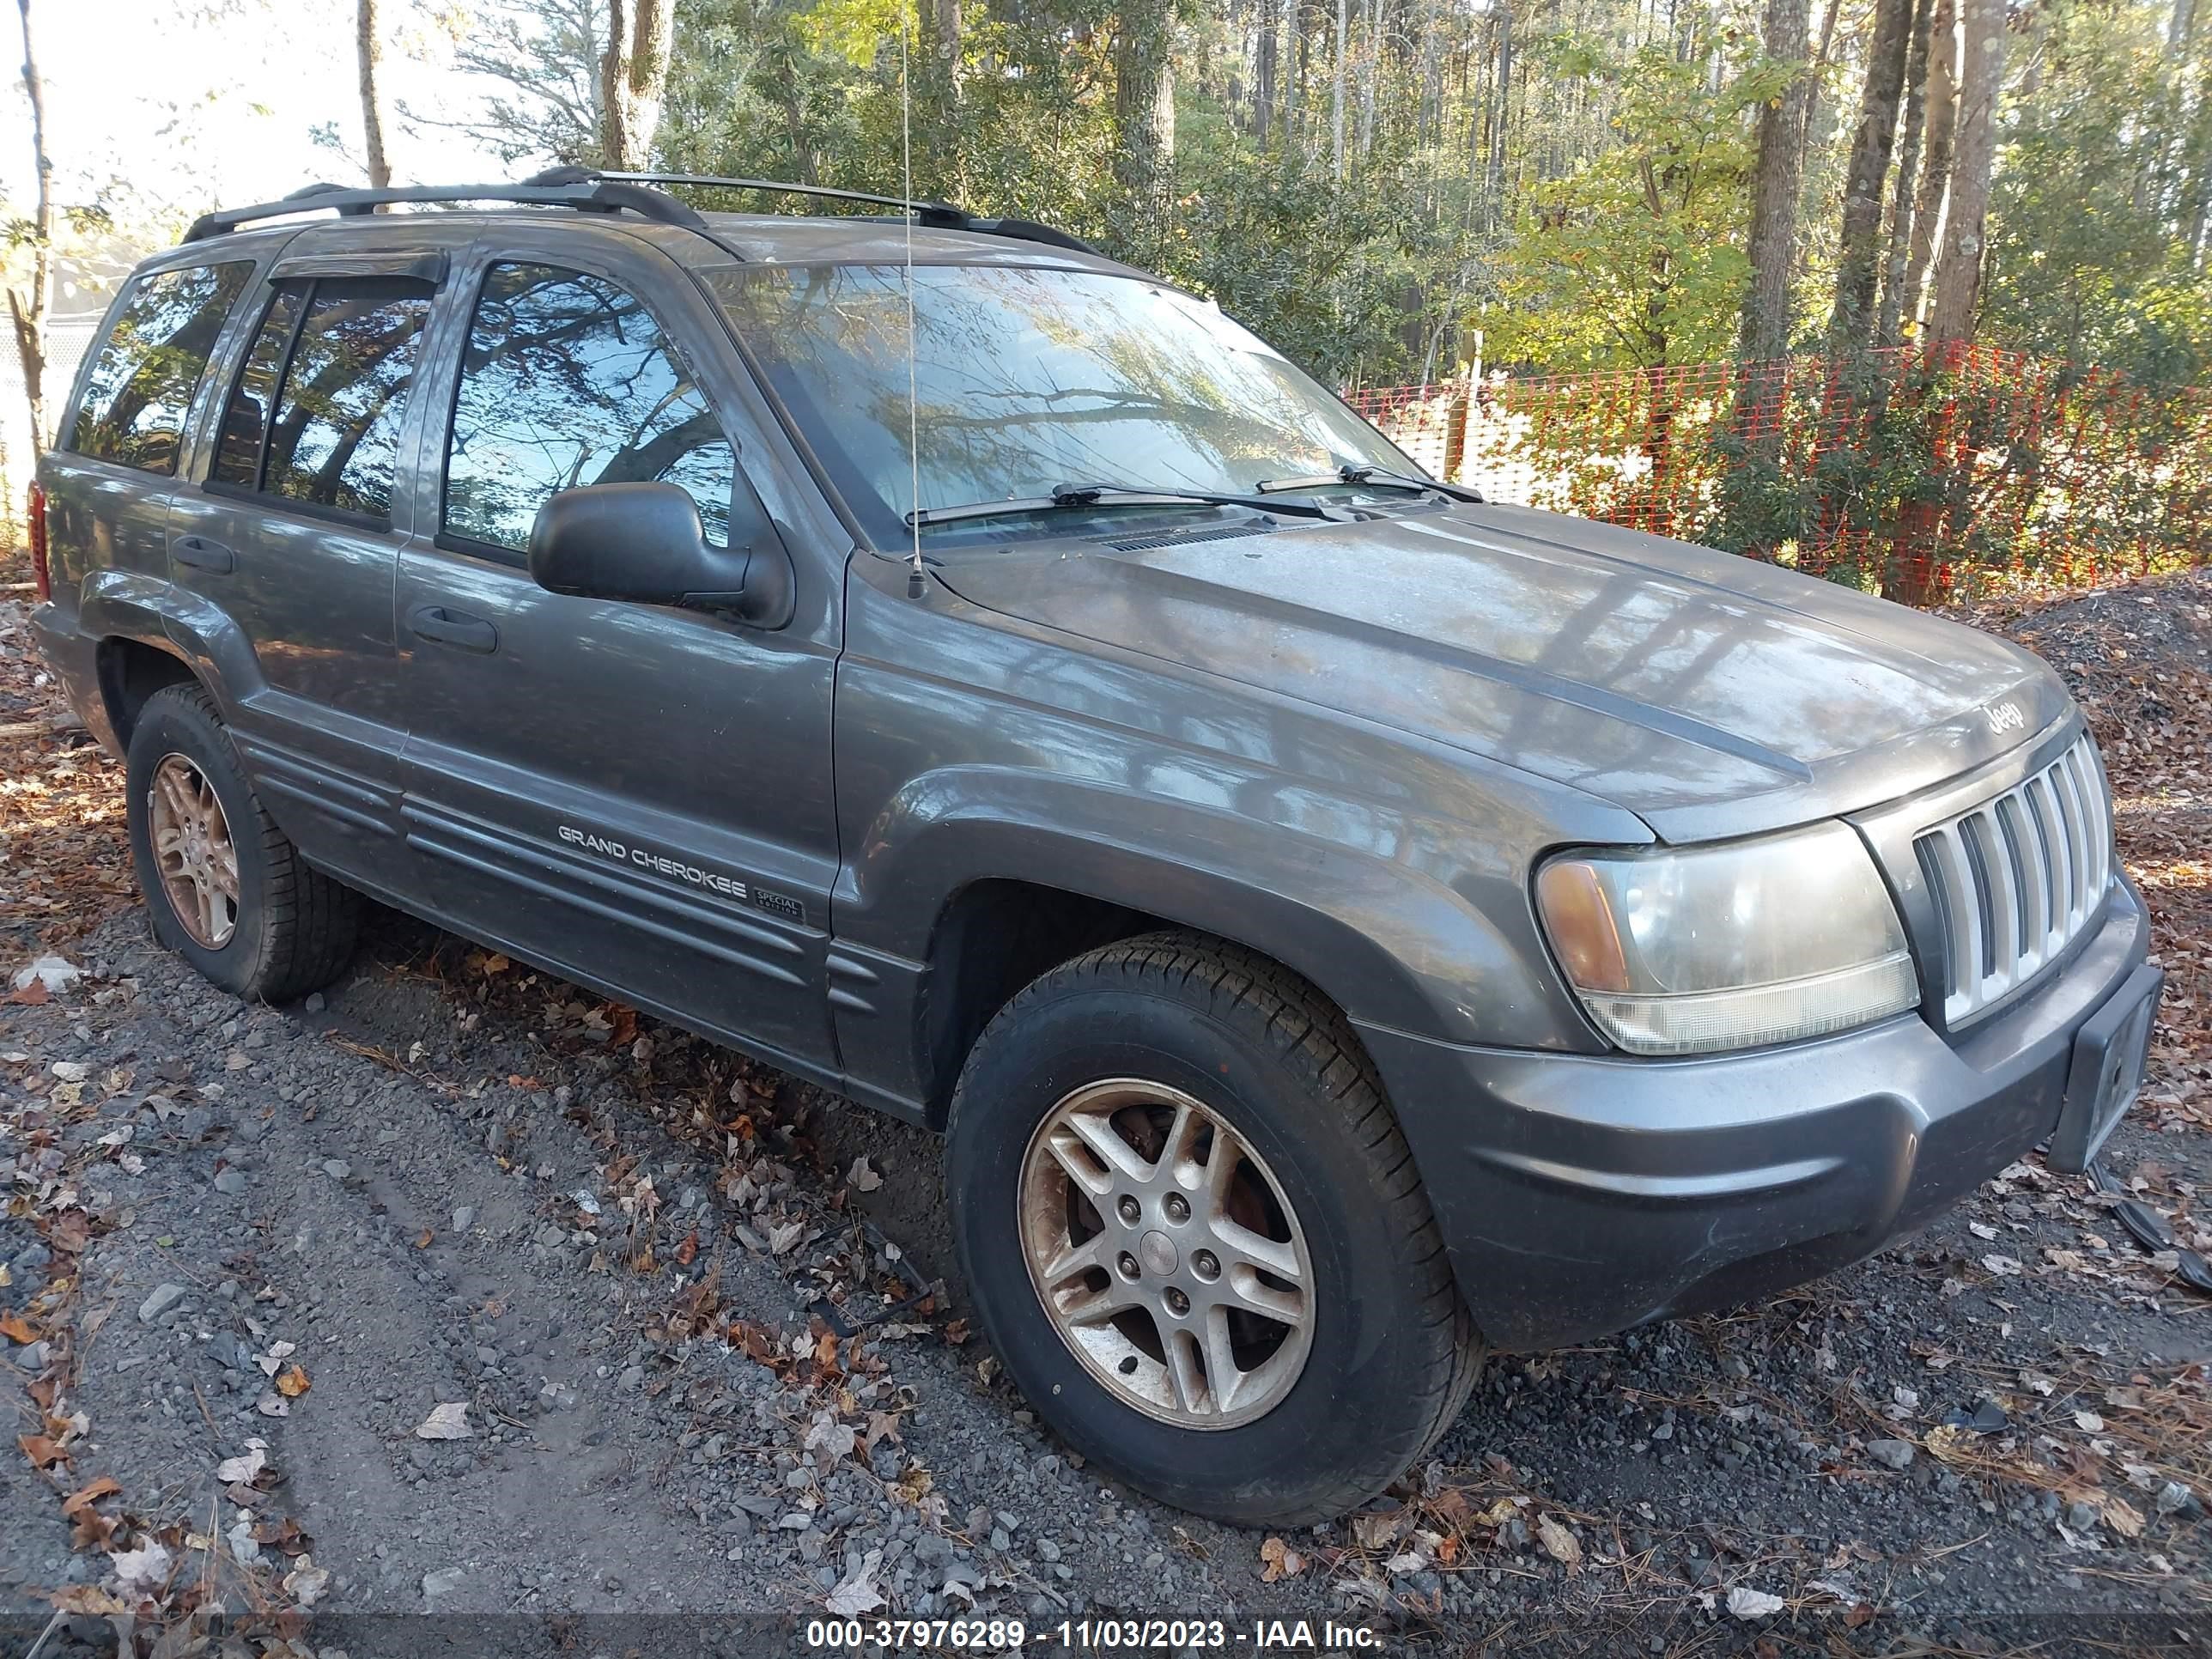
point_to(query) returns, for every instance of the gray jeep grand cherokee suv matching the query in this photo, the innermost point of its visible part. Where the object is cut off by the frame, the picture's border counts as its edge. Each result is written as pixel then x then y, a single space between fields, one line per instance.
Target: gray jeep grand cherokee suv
pixel 1337 923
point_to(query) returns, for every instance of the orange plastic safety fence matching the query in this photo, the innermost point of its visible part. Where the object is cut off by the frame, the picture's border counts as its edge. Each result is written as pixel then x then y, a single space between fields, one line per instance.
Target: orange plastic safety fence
pixel 1900 468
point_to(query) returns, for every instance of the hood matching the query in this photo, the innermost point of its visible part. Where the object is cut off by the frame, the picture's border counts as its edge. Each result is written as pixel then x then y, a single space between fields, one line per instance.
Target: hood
pixel 1708 694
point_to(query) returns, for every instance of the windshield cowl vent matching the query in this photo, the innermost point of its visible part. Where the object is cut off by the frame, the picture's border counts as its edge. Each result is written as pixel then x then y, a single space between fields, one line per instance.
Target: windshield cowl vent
pixel 1179 538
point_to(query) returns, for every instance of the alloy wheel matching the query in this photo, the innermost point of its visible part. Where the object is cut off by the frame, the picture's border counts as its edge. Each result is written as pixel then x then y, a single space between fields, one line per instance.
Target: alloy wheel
pixel 193 850
pixel 1166 1254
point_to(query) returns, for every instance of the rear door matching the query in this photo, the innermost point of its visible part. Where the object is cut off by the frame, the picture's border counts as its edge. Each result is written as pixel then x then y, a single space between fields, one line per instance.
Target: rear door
pixel 638 796
pixel 295 531
pixel 112 470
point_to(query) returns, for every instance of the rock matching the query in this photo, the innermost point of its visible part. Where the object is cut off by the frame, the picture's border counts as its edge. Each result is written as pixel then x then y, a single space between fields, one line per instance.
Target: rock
pixel 2175 1498
pixel 70 1071
pixel 1897 1454
pixel 442 1583
pixel 337 1168
pixel 464 1217
pixel 2081 1516
pixel 159 1301
pixel 631 1379
pixel 315 1003
pixel 230 1180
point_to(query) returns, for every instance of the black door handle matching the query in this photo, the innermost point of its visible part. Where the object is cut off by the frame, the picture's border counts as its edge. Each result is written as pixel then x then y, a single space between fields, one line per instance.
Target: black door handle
pixel 201 554
pixel 434 622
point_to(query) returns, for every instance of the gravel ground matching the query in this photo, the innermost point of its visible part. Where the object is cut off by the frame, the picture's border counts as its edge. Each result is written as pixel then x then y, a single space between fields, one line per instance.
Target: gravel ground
pixel 629 1264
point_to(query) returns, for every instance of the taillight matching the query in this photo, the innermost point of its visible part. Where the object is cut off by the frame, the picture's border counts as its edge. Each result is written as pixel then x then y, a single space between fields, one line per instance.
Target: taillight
pixel 41 573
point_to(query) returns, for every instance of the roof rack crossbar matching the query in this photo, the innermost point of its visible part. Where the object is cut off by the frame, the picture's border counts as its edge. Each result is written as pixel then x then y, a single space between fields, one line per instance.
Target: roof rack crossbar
pixel 591 194
pixel 938 215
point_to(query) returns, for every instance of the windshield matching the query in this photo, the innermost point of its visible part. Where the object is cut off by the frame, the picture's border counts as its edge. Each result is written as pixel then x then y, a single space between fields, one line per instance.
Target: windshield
pixel 1027 378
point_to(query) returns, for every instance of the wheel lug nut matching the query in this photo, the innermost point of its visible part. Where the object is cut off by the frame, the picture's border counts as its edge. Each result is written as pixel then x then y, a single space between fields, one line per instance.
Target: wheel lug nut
pixel 1205 1265
pixel 1177 1207
pixel 1178 1303
pixel 1131 1211
pixel 1127 1264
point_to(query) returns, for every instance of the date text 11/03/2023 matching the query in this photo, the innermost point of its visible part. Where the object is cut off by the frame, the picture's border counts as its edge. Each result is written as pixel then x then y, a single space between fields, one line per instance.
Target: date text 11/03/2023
pixel 1101 1635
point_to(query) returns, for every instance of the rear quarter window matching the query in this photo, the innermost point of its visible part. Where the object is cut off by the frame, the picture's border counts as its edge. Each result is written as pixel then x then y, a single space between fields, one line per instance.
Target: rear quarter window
pixel 142 380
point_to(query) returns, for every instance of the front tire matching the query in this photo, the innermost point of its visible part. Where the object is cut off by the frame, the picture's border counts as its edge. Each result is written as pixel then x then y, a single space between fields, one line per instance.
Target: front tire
pixel 224 886
pixel 1196 1237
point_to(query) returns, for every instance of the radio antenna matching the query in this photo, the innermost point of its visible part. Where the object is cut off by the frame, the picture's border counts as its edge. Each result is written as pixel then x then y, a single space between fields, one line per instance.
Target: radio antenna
pixel 914 579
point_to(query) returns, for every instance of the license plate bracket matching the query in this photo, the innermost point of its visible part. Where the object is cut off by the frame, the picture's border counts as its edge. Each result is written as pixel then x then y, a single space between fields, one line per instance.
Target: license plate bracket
pixel 2106 1072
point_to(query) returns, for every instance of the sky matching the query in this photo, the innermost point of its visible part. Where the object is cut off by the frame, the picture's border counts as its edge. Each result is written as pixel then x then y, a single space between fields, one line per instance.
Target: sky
pixel 203 103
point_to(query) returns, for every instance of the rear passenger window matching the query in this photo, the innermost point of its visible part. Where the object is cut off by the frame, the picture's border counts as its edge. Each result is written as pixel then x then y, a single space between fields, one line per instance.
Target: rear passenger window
pixel 333 361
pixel 567 381
pixel 143 378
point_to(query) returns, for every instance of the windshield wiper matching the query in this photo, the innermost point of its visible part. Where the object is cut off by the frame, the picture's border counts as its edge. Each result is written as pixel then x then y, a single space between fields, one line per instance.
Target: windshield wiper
pixel 1349 474
pixel 1075 497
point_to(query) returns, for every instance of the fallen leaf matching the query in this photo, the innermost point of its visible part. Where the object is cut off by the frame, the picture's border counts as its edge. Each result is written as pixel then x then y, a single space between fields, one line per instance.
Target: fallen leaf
pixel 90 1493
pixel 1278 1560
pixel 292 1382
pixel 2121 1517
pixel 688 1251
pixel 43 1451
pixel 449 1421
pixel 1559 1543
pixel 1748 1603
pixel 2003 1267
pixel 856 1592
pixel 307 1581
pixel 861 1177
pixel 13 1328
pixel 2088 1422
pixel 1375 1531
pixel 244 1467
pixel 146 1568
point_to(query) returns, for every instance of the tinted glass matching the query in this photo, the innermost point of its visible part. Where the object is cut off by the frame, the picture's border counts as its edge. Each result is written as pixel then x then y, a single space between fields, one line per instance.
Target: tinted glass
pixel 336 441
pixel 1027 378
pixel 237 460
pixel 143 378
pixel 567 381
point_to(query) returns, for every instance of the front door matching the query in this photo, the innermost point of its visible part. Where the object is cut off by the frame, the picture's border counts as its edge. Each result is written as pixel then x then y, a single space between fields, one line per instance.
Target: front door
pixel 636 796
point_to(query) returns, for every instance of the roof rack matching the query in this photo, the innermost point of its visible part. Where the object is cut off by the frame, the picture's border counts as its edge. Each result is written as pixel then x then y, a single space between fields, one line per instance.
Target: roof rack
pixel 588 192
pixel 938 215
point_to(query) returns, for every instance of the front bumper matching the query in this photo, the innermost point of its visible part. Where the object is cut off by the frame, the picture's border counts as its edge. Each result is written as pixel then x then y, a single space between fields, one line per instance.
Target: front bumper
pixel 1581 1195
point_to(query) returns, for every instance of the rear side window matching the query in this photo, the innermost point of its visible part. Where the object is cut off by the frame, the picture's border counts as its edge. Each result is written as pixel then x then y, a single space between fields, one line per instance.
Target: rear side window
pixel 142 377
pixel 568 380
pixel 315 415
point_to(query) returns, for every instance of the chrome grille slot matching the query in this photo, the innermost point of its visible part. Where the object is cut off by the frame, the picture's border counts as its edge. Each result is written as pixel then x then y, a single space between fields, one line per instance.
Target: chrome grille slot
pixel 2017 878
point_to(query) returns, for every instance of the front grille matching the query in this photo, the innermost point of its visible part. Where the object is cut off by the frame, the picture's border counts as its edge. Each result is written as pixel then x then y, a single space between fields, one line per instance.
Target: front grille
pixel 2017 878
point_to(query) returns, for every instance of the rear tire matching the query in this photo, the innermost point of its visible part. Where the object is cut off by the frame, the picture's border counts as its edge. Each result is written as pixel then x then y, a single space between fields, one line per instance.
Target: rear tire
pixel 1366 1350
pixel 270 928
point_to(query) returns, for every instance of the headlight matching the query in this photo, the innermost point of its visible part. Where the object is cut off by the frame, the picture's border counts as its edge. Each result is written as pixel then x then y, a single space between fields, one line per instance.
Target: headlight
pixel 1689 951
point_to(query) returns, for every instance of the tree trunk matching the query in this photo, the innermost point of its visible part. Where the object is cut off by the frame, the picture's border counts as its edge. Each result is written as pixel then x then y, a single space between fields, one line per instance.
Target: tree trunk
pixel 370 51
pixel 1336 90
pixel 1820 69
pixel 633 73
pixel 1773 242
pixel 1287 72
pixel 1887 330
pixel 28 311
pixel 1370 67
pixel 1859 247
pixel 1973 153
pixel 1144 97
pixel 1263 75
pixel 1929 199
pixel 1502 94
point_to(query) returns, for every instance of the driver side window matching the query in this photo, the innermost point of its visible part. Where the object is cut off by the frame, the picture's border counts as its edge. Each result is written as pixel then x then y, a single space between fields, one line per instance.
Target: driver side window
pixel 567 381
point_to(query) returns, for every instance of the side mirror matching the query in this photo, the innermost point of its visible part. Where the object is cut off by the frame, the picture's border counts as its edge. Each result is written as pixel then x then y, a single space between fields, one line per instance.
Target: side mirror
pixel 643 542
